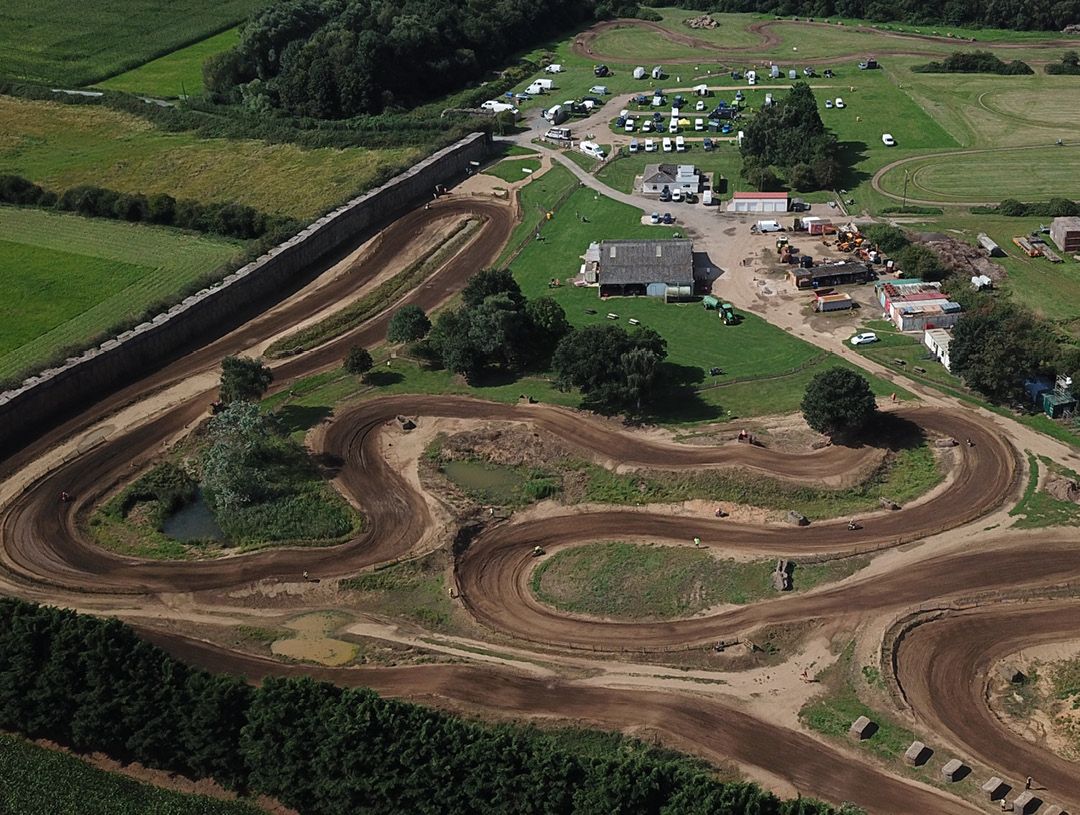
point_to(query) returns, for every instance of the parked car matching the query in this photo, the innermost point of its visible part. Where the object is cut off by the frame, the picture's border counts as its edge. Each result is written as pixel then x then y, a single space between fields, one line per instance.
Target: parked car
pixel 601 71
pixel 699 124
pixel 839 102
pixel 707 144
pixel 888 140
pixel 828 104
pixel 667 145
pixel 650 146
pixel 634 145
pixel 654 218
pixel 828 73
pixel 646 126
pixel 665 195
pixel 700 105
pixel 629 128
pixel 522 97
pixel 668 218
pixel 865 338
pixel 677 196
pixel 599 90
pixel 689 197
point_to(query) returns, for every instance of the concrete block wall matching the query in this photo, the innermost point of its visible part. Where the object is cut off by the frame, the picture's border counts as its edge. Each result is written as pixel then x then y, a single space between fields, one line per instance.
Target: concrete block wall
pixel 83 379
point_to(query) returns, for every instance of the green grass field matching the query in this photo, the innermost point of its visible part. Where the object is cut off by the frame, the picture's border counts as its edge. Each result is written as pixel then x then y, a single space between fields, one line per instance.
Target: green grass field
pixel 66 278
pixel 37 781
pixel 765 368
pixel 75 44
pixel 514 169
pixel 174 74
pixel 59 146
pixel 635 581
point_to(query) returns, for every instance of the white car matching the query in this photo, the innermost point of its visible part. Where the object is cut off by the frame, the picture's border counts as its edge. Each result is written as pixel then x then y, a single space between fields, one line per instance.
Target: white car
pixel 650 146
pixel 646 126
pixel 676 195
pixel 629 128
pixel 828 104
pixel 888 140
pixel 864 338
pixel 839 102
pixel 667 145
pixel 699 125
pixel 700 105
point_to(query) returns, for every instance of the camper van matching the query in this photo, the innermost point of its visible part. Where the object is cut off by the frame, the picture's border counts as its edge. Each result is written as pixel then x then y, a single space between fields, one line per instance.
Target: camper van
pixel 591 148
pixel 680 144
pixel 546 84
pixel 699 124
pixel 535 89
pixel 558 134
pixel 667 145
pixel 673 126
pixel 495 106
pixel 554 68
pixel 556 114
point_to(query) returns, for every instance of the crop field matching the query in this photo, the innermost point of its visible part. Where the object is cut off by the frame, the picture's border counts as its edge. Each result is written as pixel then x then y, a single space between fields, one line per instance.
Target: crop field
pixel 59 146
pixel 174 74
pixel 72 44
pixel 37 781
pixel 66 278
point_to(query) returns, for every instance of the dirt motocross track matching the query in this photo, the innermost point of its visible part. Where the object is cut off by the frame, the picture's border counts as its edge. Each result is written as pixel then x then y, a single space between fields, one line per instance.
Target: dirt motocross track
pixel 46 555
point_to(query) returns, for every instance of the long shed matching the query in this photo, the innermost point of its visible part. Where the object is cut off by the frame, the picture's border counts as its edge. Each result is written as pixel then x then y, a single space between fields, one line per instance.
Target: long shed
pixel 655 268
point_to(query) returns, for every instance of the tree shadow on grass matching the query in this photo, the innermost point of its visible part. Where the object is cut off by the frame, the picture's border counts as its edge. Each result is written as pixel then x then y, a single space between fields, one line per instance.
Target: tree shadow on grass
pixel 381 379
pixel 295 418
pixel 678 399
pixel 849 154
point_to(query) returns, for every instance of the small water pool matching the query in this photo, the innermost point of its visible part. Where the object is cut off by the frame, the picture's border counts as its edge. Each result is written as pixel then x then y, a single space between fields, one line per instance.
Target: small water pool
pixel 492 482
pixel 195 522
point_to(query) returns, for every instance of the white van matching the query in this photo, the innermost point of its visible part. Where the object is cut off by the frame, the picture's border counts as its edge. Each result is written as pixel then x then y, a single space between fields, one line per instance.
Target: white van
pixel 667 145
pixel 673 126
pixel 699 124
pixel 680 144
pixel 554 68
pixel 888 140
pixel 633 145
pixel 591 148
pixel 546 84
pixel 650 146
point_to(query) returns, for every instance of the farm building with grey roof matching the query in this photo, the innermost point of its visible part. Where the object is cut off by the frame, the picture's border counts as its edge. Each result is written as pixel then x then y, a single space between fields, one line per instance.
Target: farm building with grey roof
pixel 657 268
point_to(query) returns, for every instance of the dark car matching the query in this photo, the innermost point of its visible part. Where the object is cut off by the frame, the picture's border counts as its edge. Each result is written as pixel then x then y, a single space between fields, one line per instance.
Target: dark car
pixel 707 144
pixel 689 197
pixel 665 195
pixel 668 218
pixel 601 70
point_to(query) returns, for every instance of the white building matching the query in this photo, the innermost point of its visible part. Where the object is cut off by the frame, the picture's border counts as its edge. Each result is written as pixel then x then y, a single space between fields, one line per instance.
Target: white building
pixel 658 177
pixel 759 202
pixel 938 340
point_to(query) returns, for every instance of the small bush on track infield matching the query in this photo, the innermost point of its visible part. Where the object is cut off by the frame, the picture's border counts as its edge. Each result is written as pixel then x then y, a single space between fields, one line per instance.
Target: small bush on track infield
pixel 633 581
pixel 38 781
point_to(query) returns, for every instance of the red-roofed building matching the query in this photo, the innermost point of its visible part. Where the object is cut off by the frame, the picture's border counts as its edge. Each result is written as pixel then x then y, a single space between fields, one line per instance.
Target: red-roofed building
pixel 759 202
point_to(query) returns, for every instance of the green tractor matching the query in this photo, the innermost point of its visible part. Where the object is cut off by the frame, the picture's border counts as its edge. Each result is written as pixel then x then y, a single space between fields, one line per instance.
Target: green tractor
pixel 727 314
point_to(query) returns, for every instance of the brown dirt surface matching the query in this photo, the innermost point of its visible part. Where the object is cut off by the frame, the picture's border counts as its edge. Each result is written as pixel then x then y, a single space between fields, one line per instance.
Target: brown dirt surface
pixel 508 446
pixel 1064 489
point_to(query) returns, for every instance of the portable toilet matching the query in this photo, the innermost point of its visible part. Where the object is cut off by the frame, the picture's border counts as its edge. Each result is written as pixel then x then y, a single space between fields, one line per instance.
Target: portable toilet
pixel 639 72
pixel 774 72
pixel 792 74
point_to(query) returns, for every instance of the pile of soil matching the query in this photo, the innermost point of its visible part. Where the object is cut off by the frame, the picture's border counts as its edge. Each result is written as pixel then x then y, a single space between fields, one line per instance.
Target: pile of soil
pixel 702 21
pixel 1074 28
pixel 963 258
pixel 509 447
pixel 1064 489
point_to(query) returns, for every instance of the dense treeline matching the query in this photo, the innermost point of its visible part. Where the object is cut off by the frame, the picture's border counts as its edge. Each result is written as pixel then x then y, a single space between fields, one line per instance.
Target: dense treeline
pixel 95 686
pixel 332 59
pixel 230 219
pixel 974 62
pixel 789 137
pixel 1020 15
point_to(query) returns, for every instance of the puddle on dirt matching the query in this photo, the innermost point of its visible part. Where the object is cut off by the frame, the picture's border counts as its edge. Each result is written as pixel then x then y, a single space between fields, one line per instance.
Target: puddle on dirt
pixel 312 643
pixel 194 522
pixel 494 483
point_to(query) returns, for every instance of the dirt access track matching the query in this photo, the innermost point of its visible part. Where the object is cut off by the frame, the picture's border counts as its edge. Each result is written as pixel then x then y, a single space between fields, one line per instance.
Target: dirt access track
pixel 906 44
pixel 45 555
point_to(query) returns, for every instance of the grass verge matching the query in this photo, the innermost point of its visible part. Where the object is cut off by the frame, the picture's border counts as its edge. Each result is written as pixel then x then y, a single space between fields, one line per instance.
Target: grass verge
pixel 639 581
pixel 413 590
pixel 377 300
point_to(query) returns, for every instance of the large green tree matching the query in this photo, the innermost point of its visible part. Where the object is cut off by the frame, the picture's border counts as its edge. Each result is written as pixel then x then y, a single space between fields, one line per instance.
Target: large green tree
pixel 997 345
pixel 243 379
pixel 839 402
pixel 409 324
pixel 614 370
